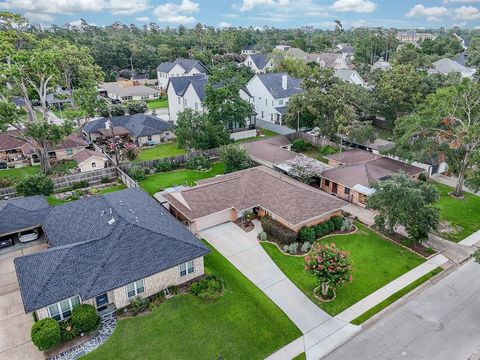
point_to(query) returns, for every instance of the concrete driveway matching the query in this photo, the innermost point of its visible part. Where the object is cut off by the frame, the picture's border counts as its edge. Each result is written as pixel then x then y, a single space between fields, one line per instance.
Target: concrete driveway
pixel 244 251
pixel 15 325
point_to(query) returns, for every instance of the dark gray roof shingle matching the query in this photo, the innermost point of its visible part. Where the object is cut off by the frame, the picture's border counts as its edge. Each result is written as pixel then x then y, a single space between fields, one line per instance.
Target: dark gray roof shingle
pixel 187 64
pixel 273 82
pixel 138 125
pixel 22 213
pixel 260 60
pixel 88 256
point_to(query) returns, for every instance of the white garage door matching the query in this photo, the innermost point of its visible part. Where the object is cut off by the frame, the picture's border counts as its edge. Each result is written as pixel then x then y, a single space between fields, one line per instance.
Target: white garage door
pixel 212 220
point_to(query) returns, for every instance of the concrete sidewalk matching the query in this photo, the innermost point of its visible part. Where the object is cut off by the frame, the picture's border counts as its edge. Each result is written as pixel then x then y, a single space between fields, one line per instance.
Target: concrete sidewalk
pixel 451 181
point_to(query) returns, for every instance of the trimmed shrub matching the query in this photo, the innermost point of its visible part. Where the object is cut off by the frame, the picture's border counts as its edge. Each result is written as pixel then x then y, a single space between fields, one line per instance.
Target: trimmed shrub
pixel 307 234
pixel 139 305
pixel 209 288
pixel 137 173
pixel 305 247
pixel 337 222
pixel 347 225
pixel 45 334
pixel 291 249
pixel 163 166
pixel 85 317
pixel 38 184
pixel 105 180
pixel 328 150
pixel 262 236
pixel 80 185
pixel 329 226
pixel 278 231
pixel 300 145
pixel 199 163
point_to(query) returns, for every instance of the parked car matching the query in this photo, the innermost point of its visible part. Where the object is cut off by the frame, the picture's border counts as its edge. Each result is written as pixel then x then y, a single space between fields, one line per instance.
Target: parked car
pixel 28 235
pixel 6 241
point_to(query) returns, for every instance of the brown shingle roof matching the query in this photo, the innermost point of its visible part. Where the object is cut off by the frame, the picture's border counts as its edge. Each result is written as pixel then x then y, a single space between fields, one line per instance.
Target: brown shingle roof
pixel 270 150
pixel 351 157
pixel 117 130
pixel 369 172
pixel 87 154
pixel 287 198
pixel 9 142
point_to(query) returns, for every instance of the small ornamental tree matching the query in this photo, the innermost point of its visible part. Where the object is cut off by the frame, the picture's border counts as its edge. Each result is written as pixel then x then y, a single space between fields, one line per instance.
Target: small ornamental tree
pixel 38 184
pixel 235 158
pixel 330 265
pixel 136 107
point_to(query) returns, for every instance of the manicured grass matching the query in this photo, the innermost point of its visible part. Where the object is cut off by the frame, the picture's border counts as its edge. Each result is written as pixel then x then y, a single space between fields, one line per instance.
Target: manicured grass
pixel 52 200
pixel 391 299
pixel 160 181
pixel 64 167
pixel 157 104
pixel 160 151
pixel 17 174
pixel 242 324
pixel 376 262
pixel 463 213
pixel 302 356
pixel 265 132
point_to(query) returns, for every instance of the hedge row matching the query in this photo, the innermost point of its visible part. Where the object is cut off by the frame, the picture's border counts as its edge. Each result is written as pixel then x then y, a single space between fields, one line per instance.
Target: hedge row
pixel 278 231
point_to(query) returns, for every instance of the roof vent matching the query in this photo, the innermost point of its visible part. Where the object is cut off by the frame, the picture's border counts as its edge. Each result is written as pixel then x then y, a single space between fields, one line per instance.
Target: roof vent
pixel 102 213
pixel 111 221
pixel 110 211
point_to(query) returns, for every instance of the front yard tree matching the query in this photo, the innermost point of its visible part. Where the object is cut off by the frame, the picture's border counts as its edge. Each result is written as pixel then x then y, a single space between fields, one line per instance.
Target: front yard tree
pixel 235 158
pixel 448 123
pixel 403 201
pixel 360 132
pixel 136 107
pixel 195 131
pixel 331 266
pixel 34 68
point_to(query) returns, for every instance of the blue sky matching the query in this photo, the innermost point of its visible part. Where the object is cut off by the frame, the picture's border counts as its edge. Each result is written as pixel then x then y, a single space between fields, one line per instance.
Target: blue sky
pixel 257 13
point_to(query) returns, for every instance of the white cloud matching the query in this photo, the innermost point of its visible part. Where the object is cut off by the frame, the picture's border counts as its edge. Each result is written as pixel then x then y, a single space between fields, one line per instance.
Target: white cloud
pixel 143 19
pixel 44 18
pixel 467 13
pixel 248 5
pixel 40 8
pixel 359 6
pixel 461 1
pixel 224 25
pixel 177 13
pixel 433 13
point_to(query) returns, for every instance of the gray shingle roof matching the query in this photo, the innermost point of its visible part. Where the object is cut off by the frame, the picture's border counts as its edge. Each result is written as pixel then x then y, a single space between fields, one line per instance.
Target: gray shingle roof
pixel 187 64
pixel 22 213
pixel 138 124
pixel 181 83
pixel 273 82
pixel 260 60
pixel 88 256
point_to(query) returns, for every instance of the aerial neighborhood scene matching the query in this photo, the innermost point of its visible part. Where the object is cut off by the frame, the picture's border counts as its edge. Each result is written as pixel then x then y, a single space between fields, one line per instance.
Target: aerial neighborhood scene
pixel 240 179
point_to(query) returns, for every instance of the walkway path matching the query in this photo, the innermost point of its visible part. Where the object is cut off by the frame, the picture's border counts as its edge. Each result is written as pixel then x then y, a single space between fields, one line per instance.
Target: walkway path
pixel 451 181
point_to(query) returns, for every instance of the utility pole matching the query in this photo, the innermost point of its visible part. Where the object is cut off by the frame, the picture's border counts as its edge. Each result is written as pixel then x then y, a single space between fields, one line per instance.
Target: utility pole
pixel 114 140
pixel 131 67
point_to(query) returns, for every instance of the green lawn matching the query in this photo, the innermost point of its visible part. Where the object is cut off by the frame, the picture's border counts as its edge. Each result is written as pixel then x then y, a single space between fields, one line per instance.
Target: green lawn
pixel 52 200
pixel 157 104
pixel 376 262
pixel 463 213
pixel 242 324
pixel 17 174
pixel 391 299
pixel 265 132
pixel 160 151
pixel 160 181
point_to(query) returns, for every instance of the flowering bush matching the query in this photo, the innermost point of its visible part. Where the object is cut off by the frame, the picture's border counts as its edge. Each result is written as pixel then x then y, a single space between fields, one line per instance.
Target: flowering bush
pixel 330 265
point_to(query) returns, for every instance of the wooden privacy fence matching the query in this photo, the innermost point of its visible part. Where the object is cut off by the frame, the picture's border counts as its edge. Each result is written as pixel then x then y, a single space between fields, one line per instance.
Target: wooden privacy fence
pixel 93 177
pixel 179 159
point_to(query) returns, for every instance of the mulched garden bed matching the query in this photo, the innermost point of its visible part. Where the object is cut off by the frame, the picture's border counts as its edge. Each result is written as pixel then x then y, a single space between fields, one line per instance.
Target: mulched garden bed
pixel 67 345
pixel 422 250
pixel 246 226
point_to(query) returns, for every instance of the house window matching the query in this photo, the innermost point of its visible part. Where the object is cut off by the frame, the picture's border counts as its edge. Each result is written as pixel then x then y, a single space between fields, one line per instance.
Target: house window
pixel 347 191
pixel 135 288
pixel 155 95
pixel 266 102
pixel 280 102
pixel 69 151
pixel 63 309
pixel 149 137
pixel 327 182
pixel 94 164
pixel 179 100
pixel 186 268
pixel 262 114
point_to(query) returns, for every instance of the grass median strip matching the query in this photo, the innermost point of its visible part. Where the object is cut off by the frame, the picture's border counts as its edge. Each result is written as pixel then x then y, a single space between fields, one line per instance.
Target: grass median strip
pixel 391 299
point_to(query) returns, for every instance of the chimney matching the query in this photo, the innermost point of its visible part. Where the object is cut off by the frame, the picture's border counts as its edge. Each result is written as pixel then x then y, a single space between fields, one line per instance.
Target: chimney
pixel 107 124
pixel 284 81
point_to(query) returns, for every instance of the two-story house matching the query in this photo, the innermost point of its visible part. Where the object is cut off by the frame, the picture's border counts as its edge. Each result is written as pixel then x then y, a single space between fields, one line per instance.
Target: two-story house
pixel 177 68
pixel 259 63
pixel 270 94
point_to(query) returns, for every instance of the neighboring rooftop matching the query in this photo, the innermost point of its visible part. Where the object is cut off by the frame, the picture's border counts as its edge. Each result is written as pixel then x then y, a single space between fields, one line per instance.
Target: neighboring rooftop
pixel 381 64
pixel 287 198
pixel 273 82
pixel 86 154
pixel 10 140
pixel 369 172
pixel 102 243
pixel 181 83
pixel 271 150
pixel 128 88
pixel 137 125
pixel 186 64
pixel 260 60
pixel 22 213
pixel 352 157
pixel 446 66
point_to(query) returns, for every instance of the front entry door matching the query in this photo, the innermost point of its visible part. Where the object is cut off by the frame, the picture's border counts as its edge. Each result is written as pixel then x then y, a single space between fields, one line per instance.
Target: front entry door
pixel 101 301
pixel 334 188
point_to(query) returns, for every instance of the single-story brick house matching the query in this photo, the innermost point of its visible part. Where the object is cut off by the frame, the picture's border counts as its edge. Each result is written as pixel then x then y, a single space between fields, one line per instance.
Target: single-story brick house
pixel 356 170
pixel 261 190
pixel 120 246
pixel 270 151
pixel 17 152
pixel 143 129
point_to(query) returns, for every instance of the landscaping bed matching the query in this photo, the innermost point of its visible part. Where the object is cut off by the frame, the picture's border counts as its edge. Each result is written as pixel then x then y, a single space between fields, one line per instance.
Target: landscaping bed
pixel 241 324
pixel 459 217
pixel 420 249
pixel 376 262
pixel 67 195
